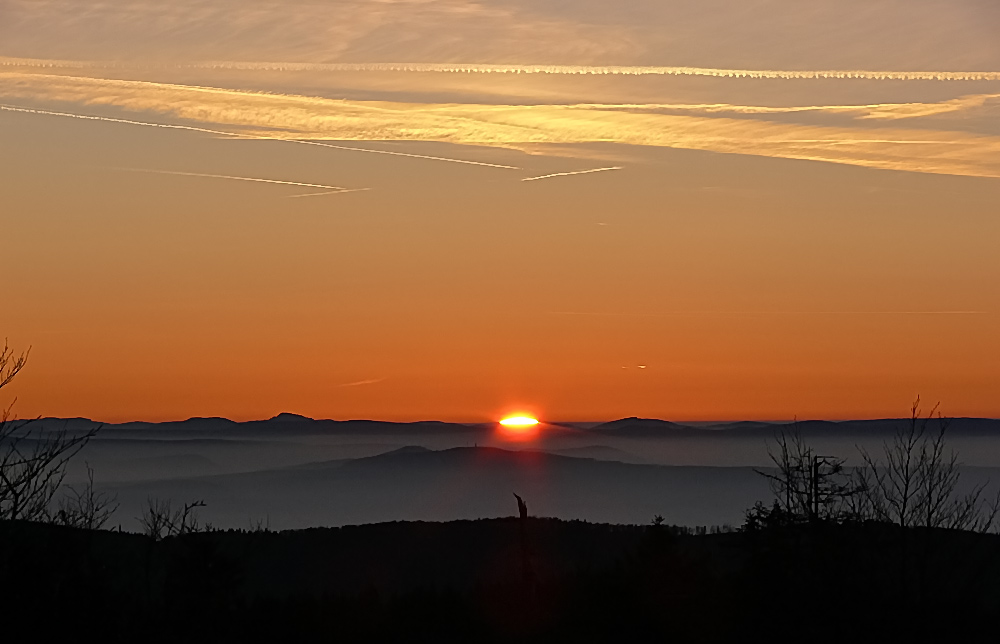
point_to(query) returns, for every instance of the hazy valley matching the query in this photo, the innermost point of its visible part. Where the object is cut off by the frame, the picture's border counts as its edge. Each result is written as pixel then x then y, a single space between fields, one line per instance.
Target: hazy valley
pixel 294 472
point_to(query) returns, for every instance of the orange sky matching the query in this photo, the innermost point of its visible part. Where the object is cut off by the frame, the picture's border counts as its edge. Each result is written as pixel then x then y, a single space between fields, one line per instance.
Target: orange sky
pixel 749 288
pixel 763 248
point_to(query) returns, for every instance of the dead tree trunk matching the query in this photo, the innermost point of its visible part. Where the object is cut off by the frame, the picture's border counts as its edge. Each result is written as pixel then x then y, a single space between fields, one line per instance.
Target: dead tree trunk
pixel 527 572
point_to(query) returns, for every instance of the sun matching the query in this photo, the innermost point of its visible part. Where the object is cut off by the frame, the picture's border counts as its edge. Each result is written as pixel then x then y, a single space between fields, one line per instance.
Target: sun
pixel 519 421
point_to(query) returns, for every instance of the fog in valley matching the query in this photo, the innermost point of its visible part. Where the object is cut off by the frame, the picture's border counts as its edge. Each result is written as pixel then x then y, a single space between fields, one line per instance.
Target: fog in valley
pixel 295 472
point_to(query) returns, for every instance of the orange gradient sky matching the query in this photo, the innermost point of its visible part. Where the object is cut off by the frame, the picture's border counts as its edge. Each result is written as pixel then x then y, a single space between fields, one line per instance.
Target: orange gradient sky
pixel 750 248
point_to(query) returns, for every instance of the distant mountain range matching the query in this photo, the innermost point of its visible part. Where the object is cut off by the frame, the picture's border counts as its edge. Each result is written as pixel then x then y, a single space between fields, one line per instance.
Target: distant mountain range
pixel 651 427
pixel 303 472
pixel 295 424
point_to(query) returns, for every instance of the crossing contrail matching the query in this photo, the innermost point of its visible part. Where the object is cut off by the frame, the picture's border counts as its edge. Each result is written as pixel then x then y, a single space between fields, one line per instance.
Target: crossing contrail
pixel 247 137
pixel 569 174
pixel 333 189
pixel 403 154
pixel 328 192
pixel 349 125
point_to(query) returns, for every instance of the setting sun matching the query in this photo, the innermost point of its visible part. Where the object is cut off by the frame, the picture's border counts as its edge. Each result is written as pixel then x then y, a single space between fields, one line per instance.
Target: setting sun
pixel 519 421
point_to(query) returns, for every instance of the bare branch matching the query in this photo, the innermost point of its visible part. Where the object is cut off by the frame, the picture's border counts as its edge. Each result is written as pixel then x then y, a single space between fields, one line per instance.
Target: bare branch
pixel 84 507
pixel 32 460
pixel 160 519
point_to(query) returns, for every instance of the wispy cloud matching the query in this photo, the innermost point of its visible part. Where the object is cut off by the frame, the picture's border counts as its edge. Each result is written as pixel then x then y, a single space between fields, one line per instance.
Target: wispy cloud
pixel 248 136
pixel 310 120
pixel 570 174
pixel 308 30
pixel 875 111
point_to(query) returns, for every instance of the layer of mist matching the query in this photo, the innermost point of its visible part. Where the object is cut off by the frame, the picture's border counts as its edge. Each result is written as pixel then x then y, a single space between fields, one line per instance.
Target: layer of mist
pixel 296 472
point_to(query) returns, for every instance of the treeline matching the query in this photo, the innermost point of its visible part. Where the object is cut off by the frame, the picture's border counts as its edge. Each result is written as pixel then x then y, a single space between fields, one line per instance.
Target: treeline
pixel 462 581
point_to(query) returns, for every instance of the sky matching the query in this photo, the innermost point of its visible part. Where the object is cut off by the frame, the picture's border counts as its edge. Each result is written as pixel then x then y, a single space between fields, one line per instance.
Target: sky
pixel 413 209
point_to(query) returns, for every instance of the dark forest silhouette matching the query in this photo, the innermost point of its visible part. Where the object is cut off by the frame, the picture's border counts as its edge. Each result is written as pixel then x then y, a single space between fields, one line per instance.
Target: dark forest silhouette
pixel 888 549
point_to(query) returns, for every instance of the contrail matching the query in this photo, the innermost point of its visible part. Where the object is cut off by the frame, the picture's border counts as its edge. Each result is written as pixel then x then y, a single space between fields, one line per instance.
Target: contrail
pixel 703 312
pixel 86 117
pixel 614 70
pixel 485 68
pixel 235 135
pixel 371 381
pixel 328 192
pixel 402 154
pixel 334 189
pixel 568 174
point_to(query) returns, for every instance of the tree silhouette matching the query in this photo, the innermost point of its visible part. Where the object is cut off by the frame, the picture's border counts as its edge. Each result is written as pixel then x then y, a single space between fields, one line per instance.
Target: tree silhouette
pixel 527 571
pixel 32 461
pixel 84 507
pixel 808 487
pixel 914 482
pixel 160 519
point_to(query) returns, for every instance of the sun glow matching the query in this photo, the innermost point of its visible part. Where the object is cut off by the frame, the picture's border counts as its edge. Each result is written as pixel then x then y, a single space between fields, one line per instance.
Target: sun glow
pixel 519 421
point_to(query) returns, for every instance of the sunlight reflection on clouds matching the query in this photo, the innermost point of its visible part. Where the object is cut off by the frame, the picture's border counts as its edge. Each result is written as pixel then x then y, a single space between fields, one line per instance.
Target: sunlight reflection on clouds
pixel 695 127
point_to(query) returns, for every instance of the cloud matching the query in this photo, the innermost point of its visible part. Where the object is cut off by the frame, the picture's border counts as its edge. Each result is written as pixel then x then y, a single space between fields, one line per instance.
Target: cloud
pixel 298 118
pixel 88 117
pixel 763 34
pixel 302 30
pixel 876 111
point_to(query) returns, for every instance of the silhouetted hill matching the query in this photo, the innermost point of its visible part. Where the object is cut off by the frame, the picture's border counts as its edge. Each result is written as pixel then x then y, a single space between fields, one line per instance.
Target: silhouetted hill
pixel 598 452
pixel 654 428
pixel 643 427
pixel 745 426
pixel 415 483
pixel 957 427
pixel 306 427
pixel 288 424
pixel 284 424
pixel 286 417
pixel 464 581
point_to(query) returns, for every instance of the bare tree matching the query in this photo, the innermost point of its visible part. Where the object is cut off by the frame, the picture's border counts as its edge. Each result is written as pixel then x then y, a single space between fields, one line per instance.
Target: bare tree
pixel 914 482
pixel 84 507
pixel 259 525
pixel 527 570
pixel 32 461
pixel 160 519
pixel 807 486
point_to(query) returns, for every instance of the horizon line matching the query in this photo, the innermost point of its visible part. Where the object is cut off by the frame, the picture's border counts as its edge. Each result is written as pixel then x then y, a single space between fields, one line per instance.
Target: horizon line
pixel 303 418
